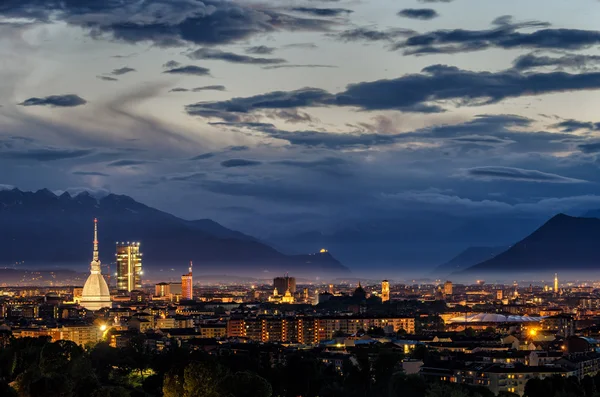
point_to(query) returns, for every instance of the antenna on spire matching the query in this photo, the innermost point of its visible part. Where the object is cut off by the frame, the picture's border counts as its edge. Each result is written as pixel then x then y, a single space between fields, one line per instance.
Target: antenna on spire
pixel 190 269
pixel 95 239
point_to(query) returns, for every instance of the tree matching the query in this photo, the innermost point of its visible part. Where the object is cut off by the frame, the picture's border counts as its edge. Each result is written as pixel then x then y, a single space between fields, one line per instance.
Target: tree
pixel 199 379
pixel 246 384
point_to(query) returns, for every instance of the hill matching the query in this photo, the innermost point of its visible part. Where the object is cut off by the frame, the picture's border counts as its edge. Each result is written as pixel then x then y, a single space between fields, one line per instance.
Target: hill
pixel 467 258
pixel 42 229
pixel 563 242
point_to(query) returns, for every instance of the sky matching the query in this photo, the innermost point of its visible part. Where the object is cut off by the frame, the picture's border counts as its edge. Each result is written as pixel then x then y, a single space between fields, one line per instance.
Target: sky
pixel 286 117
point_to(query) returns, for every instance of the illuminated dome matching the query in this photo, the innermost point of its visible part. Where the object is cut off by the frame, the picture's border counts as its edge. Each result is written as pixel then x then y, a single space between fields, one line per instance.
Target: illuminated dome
pixel 494 318
pixel 95 294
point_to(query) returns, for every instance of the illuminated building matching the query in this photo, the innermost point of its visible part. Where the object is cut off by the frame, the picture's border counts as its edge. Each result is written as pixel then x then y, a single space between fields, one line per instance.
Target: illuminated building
pixel 285 283
pixel 129 267
pixel 287 297
pixel 331 289
pixel 448 288
pixel 162 289
pixel 499 294
pixel 385 291
pixel 95 294
pixel 556 283
pixel 187 286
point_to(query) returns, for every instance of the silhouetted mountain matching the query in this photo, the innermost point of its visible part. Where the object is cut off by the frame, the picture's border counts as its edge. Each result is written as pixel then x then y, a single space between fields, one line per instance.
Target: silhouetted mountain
pixel 41 228
pixel 562 243
pixel 467 258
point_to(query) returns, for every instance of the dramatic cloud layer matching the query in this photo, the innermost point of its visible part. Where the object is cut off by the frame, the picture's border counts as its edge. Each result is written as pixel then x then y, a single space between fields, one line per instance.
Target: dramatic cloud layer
pixel 412 93
pixel 517 174
pixel 210 53
pixel 190 69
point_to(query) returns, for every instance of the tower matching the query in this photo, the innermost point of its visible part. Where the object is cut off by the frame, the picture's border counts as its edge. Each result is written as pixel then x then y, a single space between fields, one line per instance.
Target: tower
pixel 129 267
pixel 556 283
pixel 448 288
pixel 284 283
pixel 187 285
pixel 96 294
pixel 385 291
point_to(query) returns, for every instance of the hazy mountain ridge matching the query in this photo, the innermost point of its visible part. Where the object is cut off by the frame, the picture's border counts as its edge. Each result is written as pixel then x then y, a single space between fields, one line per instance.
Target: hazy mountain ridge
pixel 467 258
pixel 46 229
pixel 563 242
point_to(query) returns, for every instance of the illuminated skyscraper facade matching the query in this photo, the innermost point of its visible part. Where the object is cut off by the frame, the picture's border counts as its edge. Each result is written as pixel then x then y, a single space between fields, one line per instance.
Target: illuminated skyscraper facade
pixel 448 290
pixel 556 283
pixel 187 285
pixel 385 291
pixel 129 267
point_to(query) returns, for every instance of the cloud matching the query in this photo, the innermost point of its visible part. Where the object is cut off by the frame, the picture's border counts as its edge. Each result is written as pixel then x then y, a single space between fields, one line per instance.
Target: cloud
pixel 368 34
pixel 576 125
pixel 46 154
pixel 178 89
pixel 323 12
pixel 89 173
pixel 127 163
pixel 572 61
pixel 171 64
pixel 418 13
pixel 68 100
pixel 167 23
pixel 504 34
pixel 214 54
pixel 203 156
pixel 121 71
pixel 231 163
pixel 410 93
pixel 209 88
pixel 239 148
pixel 302 46
pixel 298 66
pixel 517 174
pixel 435 1
pixel 107 78
pixel 590 147
pixel 260 50
pixel 190 69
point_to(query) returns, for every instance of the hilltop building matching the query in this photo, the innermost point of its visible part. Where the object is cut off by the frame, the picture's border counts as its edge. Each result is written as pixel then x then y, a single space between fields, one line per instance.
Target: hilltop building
pixel 95 294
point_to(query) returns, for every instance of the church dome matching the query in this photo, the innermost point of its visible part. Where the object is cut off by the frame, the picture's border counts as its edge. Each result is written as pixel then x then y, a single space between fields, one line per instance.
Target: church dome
pixel 95 294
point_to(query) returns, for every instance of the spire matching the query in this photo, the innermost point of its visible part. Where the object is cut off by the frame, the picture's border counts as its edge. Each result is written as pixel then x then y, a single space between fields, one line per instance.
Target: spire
pixel 190 269
pixel 95 240
pixel 95 265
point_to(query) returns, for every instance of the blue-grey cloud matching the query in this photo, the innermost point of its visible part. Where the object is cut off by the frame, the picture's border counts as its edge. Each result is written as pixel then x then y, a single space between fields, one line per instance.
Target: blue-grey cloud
pixel 323 12
pixel 572 61
pixel 576 125
pixel 369 34
pixel 418 13
pixel 127 163
pixel 179 22
pixel 590 147
pixel 203 156
pixel 231 163
pixel 209 88
pixel 517 174
pixel 171 64
pixel 46 154
pixel 504 35
pixel 214 54
pixel 178 89
pixel 89 173
pixel 121 71
pixel 411 93
pixel 107 78
pixel 68 100
pixel 298 66
pixel 260 50
pixel 190 69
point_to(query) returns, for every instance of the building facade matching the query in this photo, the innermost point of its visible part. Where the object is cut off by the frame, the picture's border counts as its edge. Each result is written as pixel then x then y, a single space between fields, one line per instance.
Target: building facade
pixel 187 285
pixel 129 267
pixel 282 284
pixel 385 291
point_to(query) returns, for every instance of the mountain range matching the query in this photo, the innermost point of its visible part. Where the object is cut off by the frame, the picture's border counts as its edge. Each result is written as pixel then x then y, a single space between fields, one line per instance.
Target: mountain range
pixel 562 243
pixel 466 259
pixel 41 229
